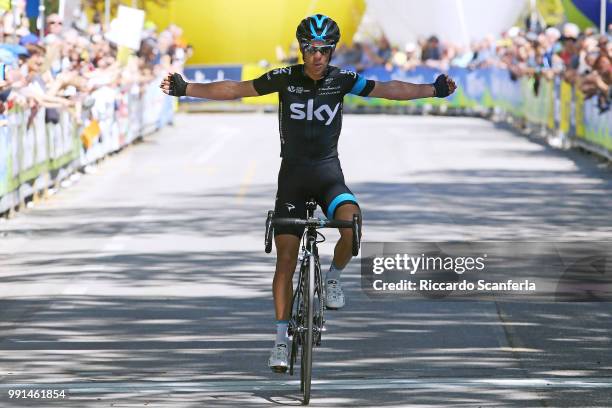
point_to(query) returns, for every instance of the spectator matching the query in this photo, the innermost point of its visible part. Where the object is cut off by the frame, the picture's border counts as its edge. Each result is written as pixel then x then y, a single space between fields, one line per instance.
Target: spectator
pixel 599 82
pixel 339 56
pixel 63 70
pixel 431 50
pixel 462 58
pixel 485 53
pixel 34 87
pixel 412 56
pixel 570 57
pixel 54 26
pixel 552 36
pixel 349 56
pixel 382 51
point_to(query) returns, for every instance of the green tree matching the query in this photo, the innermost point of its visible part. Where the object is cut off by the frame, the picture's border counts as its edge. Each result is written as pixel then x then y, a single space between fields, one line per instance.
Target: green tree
pixel 51 6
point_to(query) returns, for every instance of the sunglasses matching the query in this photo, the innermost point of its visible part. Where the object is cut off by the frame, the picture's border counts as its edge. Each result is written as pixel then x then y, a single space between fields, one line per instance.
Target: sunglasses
pixel 323 49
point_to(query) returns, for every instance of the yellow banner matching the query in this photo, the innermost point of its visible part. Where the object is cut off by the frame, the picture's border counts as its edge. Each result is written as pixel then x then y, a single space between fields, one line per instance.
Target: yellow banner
pixel 246 31
pixel 566 106
pixel 550 101
pixel 580 113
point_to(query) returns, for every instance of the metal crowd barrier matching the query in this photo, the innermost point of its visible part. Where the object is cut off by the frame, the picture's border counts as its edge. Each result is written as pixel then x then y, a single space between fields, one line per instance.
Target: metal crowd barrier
pixel 35 156
pixel 557 110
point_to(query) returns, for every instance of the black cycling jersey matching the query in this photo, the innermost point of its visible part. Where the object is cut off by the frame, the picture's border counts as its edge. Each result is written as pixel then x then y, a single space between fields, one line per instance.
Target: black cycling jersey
pixel 310 112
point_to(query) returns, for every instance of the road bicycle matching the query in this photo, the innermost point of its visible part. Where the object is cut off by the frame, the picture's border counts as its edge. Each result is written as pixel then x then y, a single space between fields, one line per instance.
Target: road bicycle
pixel 307 321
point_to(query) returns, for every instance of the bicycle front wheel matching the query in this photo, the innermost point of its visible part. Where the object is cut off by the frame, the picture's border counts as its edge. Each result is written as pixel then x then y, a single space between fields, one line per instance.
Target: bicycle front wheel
pixel 306 363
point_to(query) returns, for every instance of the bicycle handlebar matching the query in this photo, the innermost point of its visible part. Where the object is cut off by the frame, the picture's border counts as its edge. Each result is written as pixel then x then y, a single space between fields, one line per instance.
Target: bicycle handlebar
pixel 313 222
pixel 355 225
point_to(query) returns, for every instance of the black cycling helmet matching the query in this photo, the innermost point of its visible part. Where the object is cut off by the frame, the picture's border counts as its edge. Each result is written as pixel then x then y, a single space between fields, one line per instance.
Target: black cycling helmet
pixel 318 28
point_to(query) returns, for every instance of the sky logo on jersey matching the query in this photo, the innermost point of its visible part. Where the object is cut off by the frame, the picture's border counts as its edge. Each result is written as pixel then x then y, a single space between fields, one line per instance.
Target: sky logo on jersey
pixel 277 71
pixel 298 112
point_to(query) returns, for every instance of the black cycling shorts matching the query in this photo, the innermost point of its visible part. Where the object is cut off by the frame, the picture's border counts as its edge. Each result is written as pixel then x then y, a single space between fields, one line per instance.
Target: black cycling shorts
pixel 322 180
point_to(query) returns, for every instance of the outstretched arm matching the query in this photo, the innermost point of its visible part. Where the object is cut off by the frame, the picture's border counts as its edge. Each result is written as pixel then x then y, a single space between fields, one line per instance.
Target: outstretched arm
pixel 175 85
pixel 400 91
pixel 222 90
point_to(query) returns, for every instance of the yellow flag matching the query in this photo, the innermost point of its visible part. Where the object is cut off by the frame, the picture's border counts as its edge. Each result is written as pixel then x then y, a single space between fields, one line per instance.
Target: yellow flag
pixel 123 55
pixel 552 11
pixel 90 133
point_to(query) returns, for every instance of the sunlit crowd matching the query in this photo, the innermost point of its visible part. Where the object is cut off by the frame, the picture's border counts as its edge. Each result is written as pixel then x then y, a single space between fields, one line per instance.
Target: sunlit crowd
pixel 580 57
pixel 62 68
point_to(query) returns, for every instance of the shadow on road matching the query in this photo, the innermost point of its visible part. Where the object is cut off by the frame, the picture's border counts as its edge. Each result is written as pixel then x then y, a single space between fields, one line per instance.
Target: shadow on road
pixel 206 315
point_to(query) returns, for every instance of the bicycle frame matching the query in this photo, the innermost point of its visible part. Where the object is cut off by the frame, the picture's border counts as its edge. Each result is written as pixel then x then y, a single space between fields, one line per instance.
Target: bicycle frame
pixel 307 324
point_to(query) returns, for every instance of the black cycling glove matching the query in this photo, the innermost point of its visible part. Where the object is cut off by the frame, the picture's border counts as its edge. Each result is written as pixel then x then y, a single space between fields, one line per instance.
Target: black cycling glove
pixel 441 86
pixel 178 86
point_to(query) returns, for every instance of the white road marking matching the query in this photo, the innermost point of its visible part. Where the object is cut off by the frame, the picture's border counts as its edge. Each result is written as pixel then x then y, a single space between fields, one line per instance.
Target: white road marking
pixel 346 384
pixel 118 242
pixel 72 290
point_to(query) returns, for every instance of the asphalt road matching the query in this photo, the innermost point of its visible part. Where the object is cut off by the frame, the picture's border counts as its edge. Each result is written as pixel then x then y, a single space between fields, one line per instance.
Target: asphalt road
pixel 146 283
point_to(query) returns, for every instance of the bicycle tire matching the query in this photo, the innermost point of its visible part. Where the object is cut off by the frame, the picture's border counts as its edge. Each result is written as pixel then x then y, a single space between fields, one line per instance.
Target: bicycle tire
pixel 307 346
pixel 299 317
pixel 296 322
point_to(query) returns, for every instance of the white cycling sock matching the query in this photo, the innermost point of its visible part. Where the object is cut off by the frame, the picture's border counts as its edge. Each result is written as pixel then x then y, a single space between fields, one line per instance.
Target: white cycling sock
pixel 281 332
pixel 333 273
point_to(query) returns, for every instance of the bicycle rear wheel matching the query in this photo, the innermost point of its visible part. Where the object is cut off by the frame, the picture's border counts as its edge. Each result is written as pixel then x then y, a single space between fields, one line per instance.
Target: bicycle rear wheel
pixel 306 363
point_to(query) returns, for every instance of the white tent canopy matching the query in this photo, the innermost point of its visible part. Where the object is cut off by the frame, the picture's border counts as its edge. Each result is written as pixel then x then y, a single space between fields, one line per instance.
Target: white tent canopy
pixel 458 21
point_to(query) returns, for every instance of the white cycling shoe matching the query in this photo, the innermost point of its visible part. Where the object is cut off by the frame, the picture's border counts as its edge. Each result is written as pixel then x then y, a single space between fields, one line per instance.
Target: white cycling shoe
pixel 279 357
pixel 334 297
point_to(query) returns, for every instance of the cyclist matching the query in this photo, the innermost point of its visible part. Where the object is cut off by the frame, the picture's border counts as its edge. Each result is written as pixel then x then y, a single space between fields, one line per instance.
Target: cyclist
pixel 310 119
